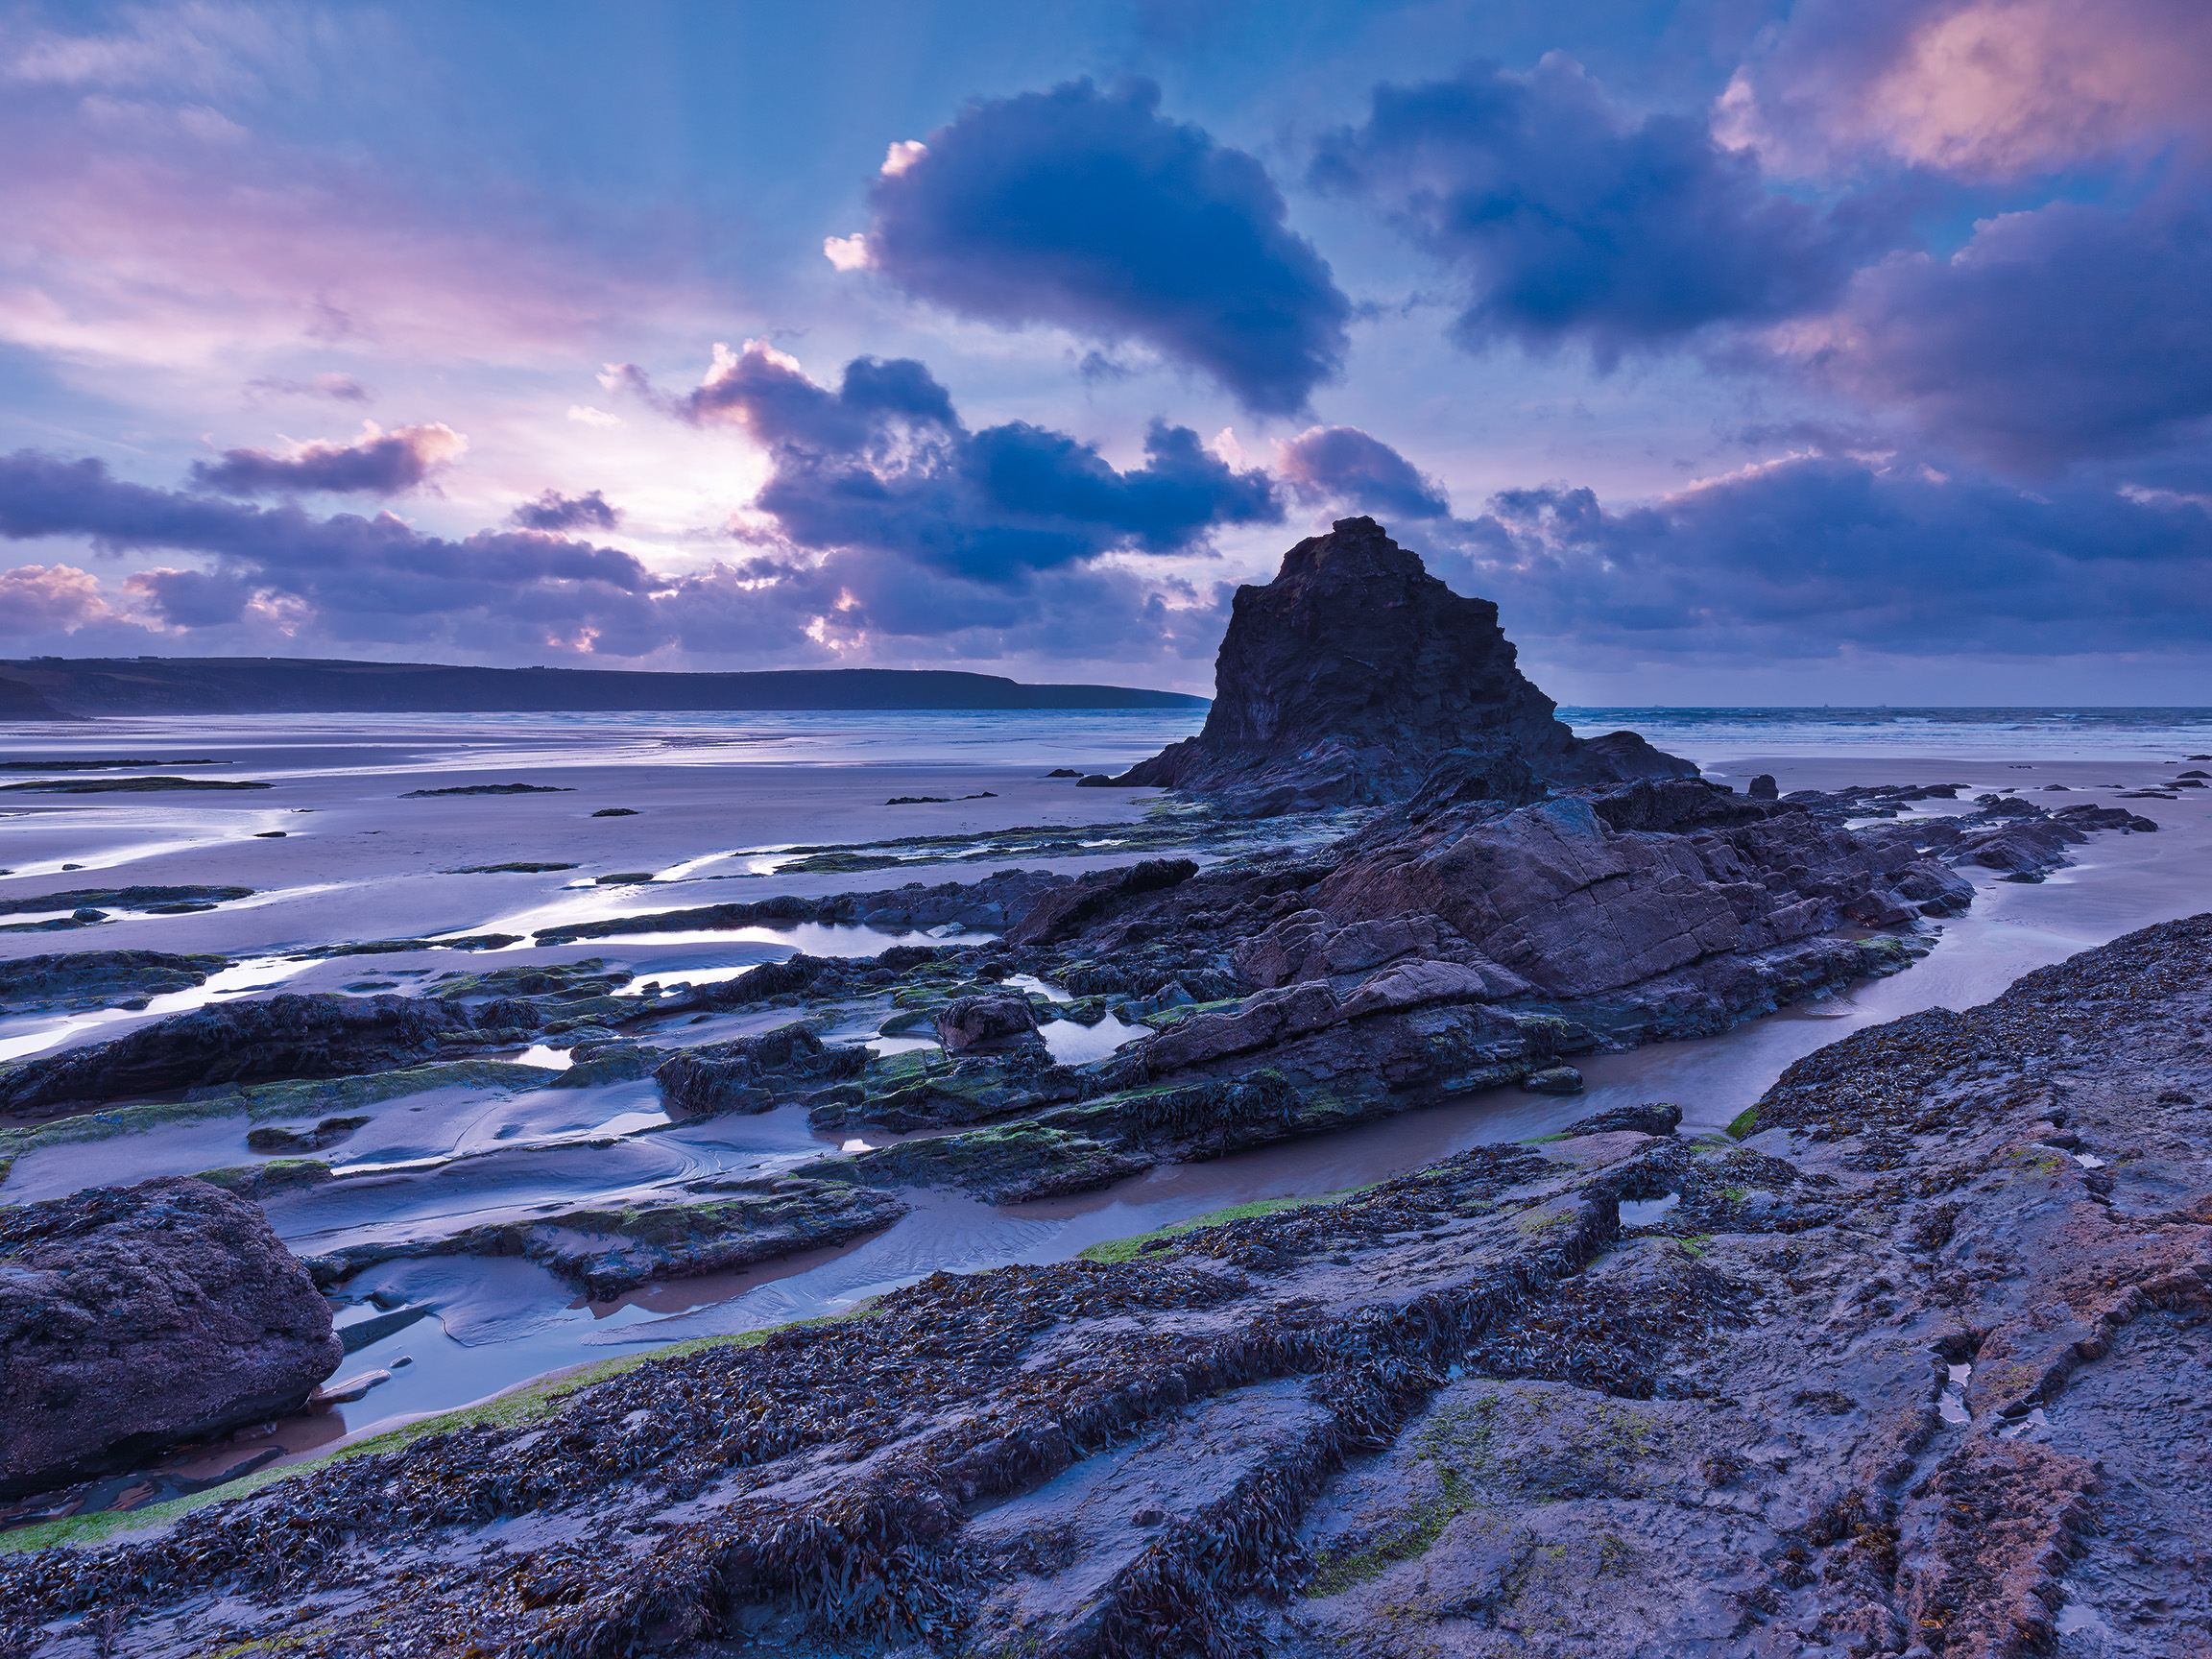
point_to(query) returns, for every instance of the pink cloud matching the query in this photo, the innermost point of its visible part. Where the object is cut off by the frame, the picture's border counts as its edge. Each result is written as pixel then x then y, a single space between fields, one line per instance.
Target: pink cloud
pixel 49 598
pixel 377 463
pixel 1986 89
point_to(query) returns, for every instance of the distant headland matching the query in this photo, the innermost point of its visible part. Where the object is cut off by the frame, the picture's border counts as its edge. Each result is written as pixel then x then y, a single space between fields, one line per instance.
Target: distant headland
pixel 316 685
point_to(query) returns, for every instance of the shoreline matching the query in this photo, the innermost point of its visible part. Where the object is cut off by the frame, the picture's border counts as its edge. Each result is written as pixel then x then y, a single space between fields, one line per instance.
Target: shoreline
pixel 2010 928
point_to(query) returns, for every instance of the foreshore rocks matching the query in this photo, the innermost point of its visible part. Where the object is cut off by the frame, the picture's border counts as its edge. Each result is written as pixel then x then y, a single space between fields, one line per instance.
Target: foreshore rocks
pixel 754 1073
pixel 607 1249
pixel 1341 681
pixel 323 1035
pixel 96 978
pixel 1896 1373
pixel 989 905
pixel 132 1317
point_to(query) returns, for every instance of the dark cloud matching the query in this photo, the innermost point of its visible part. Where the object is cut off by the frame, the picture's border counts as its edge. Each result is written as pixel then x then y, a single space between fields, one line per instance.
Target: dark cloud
pixel 1821 558
pixel 884 465
pixel 2068 333
pixel 376 464
pixel 1344 465
pixel 192 599
pixel 1088 210
pixel 338 388
pixel 1573 223
pixel 554 511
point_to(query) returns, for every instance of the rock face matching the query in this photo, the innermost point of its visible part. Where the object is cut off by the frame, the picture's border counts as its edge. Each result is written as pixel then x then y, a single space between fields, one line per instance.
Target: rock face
pixel 131 1318
pixel 1912 1358
pixel 1343 680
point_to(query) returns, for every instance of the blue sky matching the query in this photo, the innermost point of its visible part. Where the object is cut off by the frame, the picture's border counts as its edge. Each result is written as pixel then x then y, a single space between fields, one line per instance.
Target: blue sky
pixel 1744 353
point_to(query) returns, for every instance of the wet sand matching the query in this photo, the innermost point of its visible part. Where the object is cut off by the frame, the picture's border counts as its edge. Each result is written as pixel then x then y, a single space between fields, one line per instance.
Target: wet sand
pixel 359 862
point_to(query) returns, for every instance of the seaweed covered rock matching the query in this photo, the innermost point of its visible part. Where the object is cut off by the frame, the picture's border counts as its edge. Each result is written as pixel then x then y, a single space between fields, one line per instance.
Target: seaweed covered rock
pixel 290 1035
pixel 1342 681
pixel 754 1073
pixel 131 1318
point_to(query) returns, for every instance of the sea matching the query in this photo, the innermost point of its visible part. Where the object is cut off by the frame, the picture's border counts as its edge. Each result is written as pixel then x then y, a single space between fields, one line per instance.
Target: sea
pixel 1112 739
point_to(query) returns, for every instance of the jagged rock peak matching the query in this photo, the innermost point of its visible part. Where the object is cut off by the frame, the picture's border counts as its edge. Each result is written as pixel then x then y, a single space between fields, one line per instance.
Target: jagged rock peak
pixel 1343 680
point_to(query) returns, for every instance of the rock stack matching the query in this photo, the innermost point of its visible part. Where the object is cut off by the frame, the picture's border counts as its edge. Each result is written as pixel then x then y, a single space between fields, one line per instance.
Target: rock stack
pixel 1353 673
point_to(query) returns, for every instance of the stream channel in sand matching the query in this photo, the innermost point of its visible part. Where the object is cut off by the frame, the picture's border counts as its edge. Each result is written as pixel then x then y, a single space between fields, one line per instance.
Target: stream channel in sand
pixel 497 1323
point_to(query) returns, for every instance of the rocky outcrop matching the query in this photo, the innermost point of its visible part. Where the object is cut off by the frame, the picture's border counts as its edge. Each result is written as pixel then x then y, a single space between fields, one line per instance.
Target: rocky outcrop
pixel 971 1021
pixel 95 978
pixel 754 1073
pixel 323 1035
pixel 992 903
pixel 1062 910
pixel 1903 1367
pixel 607 1249
pixel 1342 681
pixel 132 1317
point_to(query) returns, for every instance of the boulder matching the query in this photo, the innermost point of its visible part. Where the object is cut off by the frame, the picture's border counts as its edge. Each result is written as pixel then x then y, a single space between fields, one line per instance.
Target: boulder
pixel 968 1020
pixel 321 1035
pixel 1653 1118
pixel 1553 1080
pixel 133 1317
pixel 1764 788
pixel 1341 681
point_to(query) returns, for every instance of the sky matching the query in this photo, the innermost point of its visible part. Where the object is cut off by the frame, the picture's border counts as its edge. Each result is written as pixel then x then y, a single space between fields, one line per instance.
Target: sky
pixel 1745 351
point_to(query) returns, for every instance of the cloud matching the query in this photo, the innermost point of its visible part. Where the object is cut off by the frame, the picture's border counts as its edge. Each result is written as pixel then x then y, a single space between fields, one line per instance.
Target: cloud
pixel 1087 210
pixel 885 465
pixel 2069 334
pixel 1569 223
pixel 191 598
pixel 554 511
pixel 358 578
pixel 892 529
pixel 1344 465
pixel 378 462
pixel 338 388
pixel 49 599
pixel 1813 557
pixel 1988 91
